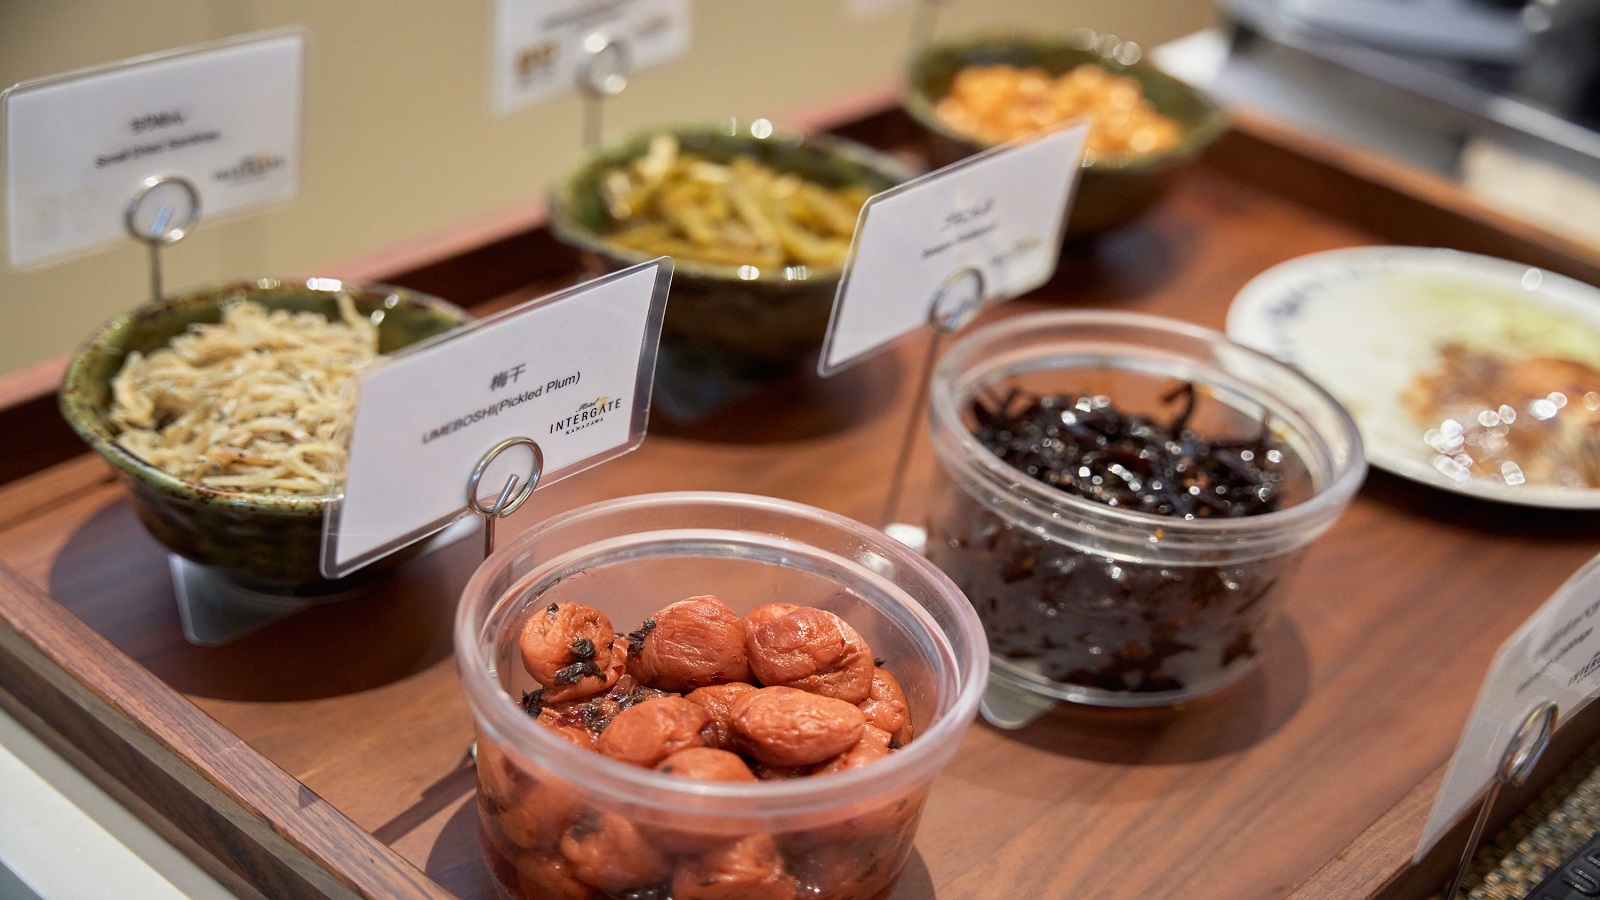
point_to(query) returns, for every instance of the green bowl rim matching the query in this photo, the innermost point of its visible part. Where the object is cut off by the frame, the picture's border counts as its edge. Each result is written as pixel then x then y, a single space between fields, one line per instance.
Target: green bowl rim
pixel 99 437
pixel 1212 123
pixel 566 228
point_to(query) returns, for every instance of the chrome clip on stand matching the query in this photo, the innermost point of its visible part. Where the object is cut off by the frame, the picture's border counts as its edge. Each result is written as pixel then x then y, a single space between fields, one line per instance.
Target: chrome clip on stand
pixel 504 504
pixel 1516 764
pixel 507 502
pixel 159 213
pixel 955 304
pixel 604 74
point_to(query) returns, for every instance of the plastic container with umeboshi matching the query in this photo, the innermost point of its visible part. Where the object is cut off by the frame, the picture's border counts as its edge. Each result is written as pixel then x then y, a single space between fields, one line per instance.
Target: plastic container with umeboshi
pixel 708 695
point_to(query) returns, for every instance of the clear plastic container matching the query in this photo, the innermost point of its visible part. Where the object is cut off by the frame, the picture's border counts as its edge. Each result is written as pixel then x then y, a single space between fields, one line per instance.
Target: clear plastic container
pixel 548 808
pixel 1103 605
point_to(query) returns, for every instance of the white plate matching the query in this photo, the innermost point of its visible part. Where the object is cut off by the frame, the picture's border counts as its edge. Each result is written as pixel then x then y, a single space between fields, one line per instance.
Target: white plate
pixel 1364 322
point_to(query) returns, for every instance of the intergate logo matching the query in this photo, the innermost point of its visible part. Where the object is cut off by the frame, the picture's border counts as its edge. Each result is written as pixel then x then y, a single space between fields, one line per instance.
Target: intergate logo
pixel 590 413
pixel 250 168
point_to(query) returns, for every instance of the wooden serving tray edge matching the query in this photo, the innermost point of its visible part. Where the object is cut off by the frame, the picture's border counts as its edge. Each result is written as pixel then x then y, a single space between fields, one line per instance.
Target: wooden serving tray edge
pixel 156 745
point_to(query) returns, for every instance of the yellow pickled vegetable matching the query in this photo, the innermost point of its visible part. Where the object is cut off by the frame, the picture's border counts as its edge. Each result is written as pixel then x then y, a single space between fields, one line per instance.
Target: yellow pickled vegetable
pixel 678 204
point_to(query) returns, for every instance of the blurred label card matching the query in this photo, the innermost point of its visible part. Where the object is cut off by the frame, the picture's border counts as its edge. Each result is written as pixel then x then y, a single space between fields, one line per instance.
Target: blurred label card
pixel 998 214
pixel 571 372
pixel 224 116
pixel 540 46
pixel 1554 656
pixel 866 9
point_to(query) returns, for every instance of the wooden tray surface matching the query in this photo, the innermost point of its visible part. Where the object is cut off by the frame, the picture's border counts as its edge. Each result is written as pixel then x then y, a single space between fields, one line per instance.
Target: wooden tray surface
pixel 325 755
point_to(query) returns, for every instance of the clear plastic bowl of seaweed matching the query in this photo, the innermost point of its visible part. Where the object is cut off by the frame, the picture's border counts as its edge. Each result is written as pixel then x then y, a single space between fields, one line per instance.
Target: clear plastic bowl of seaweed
pixel 1124 499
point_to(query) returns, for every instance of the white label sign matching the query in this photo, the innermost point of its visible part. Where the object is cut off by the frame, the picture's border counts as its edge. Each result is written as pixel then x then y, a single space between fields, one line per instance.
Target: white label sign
pixel 1554 656
pixel 999 213
pixel 539 45
pixel 225 117
pixel 572 372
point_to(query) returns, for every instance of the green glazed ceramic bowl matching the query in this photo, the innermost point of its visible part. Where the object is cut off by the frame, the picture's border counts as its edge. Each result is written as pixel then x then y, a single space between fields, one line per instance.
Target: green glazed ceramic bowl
pixel 268 543
pixel 738 319
pixel 1111 191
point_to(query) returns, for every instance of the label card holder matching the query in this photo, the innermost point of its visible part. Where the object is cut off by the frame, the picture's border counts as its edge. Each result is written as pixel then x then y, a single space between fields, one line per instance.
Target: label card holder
pixel 1552 661
pixel 541 391
pixel 547 48
pixel 224 116
pixel 1000 213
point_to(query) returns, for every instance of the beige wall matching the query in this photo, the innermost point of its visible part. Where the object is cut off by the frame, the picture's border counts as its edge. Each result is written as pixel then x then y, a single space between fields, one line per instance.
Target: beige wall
pixel 399 137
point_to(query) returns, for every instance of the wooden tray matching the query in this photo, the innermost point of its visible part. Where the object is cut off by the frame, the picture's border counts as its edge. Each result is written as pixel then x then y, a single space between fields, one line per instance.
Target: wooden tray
pixel 325 755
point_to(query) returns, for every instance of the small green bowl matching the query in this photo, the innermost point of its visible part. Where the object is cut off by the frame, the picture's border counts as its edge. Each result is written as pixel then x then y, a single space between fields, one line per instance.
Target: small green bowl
pixel 1111 191
pixel 268 543
pixel 738 319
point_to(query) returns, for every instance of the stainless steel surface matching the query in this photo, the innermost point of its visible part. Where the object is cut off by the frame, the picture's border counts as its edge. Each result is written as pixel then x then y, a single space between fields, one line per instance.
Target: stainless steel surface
pixel 1484 126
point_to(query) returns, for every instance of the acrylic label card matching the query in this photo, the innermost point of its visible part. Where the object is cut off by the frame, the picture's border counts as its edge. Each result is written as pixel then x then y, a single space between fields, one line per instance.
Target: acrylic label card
pixel 543 47
pixel 863 9
pixel 995 218
pixel 1554 656
pixel 570 372
pixel 224 116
